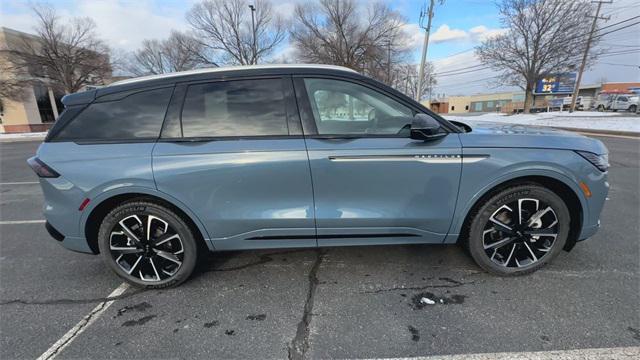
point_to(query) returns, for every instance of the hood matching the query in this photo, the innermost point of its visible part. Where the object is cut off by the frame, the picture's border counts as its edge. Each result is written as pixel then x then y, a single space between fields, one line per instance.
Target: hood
pixel 488 134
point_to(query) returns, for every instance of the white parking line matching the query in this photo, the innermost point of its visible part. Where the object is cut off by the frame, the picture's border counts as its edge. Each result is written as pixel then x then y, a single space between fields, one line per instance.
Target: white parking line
pixel 16 222
pixel 67 338
pixel 591 354
pixel 20 183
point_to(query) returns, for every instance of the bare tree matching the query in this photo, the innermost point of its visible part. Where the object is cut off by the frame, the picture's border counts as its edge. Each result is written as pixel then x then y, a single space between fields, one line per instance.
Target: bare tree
pixel 179 52
pixel 544 37
pixel 11 86
pixel 70 55
pixel 405 79
pixel 342 32
pixel 225 27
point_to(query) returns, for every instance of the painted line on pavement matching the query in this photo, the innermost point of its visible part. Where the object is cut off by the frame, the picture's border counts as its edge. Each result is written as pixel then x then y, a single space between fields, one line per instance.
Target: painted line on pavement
pixel 579 354
pixel 20 183
pixel 17 222
pixel 89 319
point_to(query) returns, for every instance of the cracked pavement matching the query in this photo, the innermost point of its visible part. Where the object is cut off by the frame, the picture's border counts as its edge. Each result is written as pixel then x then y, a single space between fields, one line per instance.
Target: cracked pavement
pixel 320 303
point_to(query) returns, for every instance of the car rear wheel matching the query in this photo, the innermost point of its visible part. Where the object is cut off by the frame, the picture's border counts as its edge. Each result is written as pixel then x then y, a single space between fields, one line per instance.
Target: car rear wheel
pixel 633 108
pixel 148 245
pixel 519 230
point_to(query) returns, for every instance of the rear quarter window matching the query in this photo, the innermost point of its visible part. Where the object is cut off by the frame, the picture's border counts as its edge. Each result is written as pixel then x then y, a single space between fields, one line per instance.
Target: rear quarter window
pixel 137 116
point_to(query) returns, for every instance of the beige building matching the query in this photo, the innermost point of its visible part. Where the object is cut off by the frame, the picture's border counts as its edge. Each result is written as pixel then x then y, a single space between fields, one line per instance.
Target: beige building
pixel 39 104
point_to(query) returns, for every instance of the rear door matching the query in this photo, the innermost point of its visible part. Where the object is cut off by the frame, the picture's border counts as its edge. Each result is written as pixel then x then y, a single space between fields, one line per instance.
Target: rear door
pixel 232 151
pixel 372 183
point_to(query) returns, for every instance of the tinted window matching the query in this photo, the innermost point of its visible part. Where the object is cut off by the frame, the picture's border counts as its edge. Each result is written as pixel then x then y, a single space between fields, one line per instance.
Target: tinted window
pixel 342 107
pixel 136 116
pixel 235 108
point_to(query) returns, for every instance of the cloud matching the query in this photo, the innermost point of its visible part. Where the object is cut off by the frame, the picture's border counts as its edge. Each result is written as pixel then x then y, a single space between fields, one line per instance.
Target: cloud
pixel 413 35
pixel 444 34
pixel 482 33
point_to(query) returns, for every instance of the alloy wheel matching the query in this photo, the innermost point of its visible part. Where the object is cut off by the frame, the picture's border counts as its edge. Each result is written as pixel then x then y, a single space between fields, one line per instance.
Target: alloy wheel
pixel 146 247
pixel 520 233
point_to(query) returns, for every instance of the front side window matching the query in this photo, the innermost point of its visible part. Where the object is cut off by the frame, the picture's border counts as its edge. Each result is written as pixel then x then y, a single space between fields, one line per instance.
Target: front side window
pixel 345 108
pixel 235 108
pixel 137 116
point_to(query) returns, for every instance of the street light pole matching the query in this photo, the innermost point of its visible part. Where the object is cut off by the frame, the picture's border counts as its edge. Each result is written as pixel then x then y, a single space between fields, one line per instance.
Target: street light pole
pixel 254 51
pixel 424 48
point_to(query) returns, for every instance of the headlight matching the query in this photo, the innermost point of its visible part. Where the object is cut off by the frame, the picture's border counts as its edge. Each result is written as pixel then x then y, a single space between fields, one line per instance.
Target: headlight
pixel 599 161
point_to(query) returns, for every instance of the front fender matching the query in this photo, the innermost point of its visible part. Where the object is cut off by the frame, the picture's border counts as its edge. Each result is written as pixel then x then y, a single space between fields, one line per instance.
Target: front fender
pixel 481 177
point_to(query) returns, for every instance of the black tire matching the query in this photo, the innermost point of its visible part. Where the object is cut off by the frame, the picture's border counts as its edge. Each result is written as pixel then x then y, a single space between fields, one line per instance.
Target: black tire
pixel 633 108
pixel 600 108
pixel 481 227
pixel 145 209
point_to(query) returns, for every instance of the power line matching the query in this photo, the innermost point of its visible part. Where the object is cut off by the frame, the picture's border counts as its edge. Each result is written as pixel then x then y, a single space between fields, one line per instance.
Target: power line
pixel 616 64
pixel 463 72
pixel 464 68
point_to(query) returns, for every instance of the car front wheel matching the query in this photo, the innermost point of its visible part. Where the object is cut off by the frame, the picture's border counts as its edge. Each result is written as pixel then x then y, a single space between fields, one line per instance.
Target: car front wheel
pixel 148 245
pixel 518 230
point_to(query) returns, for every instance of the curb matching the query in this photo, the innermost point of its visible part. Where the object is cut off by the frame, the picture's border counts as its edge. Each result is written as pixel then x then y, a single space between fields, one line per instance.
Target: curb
pixel 603 132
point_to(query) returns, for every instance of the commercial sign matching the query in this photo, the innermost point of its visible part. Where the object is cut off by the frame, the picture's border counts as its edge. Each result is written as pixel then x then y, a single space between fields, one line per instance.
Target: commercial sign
pixel 557 84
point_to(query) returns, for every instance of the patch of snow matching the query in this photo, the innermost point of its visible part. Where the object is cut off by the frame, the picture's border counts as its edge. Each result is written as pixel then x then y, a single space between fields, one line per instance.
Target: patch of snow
pixel 588 120
pixel 34 135
pixel 427 301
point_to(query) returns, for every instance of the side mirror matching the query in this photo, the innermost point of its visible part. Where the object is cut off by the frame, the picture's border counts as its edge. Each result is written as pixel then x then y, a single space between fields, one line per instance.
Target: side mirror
pixel 424 127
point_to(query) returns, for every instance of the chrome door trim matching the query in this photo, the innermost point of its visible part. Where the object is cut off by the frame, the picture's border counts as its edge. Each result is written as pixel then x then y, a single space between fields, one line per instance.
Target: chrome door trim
pixel 423 158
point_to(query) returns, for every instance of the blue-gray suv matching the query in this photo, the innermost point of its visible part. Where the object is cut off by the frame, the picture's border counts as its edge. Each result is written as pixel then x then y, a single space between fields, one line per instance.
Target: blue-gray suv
pixel 154 172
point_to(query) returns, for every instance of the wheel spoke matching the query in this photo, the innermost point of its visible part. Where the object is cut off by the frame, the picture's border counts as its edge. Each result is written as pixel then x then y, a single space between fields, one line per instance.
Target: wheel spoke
pixel 169 256
pixel 499 243
pixel 130 233
pixel 501 227
pixel 534 258
pixel 540 232
pixel 126 250
pixel 154 269
pixel 163 239
pixel 150 219
pixel 520 209
pixel 513 248
pixel 135 265
pixel 538 216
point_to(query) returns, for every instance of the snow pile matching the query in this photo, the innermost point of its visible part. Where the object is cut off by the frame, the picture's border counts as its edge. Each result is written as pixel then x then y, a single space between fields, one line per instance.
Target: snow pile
pixel 31 135
pixel 586 120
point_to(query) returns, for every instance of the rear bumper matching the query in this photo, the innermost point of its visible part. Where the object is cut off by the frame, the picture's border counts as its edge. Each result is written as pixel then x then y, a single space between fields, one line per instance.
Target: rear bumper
pixel 72 243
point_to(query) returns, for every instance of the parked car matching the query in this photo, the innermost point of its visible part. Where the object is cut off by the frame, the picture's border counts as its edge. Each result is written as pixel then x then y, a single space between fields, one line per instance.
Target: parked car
pixel 624 103
pixel 603 101
pixel 154 172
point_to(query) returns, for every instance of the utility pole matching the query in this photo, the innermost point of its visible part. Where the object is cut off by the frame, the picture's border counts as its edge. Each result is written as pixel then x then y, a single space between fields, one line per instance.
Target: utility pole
pixel 574 96
pixel 429 15
pixel 254 51
pixel 389 63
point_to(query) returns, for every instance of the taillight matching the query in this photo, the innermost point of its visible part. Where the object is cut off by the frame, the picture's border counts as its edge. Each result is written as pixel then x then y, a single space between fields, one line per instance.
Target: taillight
pixel 42 169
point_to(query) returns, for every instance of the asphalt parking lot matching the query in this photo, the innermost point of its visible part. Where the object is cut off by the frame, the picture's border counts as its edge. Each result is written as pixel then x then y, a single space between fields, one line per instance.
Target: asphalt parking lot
pixel 359 302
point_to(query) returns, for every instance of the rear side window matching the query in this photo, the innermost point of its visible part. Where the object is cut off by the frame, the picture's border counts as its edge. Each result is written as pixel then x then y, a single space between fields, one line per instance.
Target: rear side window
pixel 138 116
pixel 235 108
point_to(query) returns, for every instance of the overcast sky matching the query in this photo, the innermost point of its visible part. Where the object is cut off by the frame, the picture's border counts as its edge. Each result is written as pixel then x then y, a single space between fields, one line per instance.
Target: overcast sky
pixel 458 26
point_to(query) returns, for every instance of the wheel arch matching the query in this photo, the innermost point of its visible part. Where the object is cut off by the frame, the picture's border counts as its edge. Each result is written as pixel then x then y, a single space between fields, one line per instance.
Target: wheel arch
pixel 101 206
pixel 566 192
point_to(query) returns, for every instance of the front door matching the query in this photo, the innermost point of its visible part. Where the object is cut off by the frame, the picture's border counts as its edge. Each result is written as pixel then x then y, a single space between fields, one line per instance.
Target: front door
pixel 372 183
pixel 234 154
